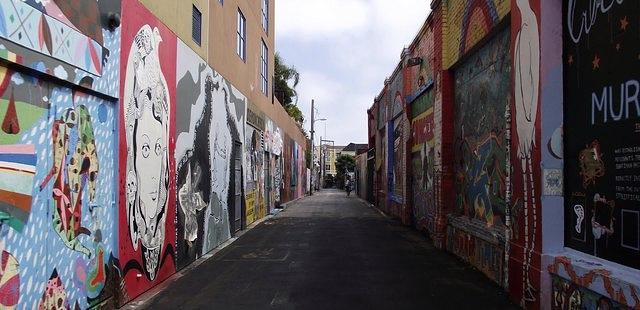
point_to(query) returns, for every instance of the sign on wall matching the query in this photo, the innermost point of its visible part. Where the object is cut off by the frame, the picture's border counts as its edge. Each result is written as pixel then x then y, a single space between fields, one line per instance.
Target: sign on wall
pixel 602 128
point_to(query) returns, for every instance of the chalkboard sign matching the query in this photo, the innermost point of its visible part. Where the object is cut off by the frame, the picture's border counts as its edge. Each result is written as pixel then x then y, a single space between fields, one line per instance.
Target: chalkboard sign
pixel 602 128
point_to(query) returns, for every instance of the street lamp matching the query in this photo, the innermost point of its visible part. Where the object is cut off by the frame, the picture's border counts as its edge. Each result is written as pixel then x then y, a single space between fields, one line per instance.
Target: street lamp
pixel 313 121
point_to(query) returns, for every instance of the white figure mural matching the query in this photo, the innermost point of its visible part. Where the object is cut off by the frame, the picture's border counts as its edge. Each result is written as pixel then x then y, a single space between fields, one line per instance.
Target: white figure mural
pixel 527 84
pixel 146 116
pixel 191 202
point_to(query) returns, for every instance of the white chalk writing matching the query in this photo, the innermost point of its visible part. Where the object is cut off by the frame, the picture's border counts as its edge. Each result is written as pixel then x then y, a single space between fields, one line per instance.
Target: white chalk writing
pixel 587 17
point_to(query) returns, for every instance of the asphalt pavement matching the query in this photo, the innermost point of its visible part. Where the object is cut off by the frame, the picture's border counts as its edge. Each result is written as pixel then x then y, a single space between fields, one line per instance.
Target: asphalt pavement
pixel 329 251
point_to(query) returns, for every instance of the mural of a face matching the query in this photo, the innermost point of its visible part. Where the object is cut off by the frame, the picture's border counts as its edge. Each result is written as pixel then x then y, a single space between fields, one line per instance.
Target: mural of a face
pixel 150 153
pixel 147 124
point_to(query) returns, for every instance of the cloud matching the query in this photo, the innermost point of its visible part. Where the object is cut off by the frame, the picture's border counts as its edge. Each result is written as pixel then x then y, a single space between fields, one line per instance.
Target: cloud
pixel 344 50
pixel 326 18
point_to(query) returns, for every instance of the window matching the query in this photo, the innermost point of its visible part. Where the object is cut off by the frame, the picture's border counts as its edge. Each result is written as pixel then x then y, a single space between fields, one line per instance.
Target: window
pixel 264 68
pixel 196 25
pixel 242 36
pixel 265 16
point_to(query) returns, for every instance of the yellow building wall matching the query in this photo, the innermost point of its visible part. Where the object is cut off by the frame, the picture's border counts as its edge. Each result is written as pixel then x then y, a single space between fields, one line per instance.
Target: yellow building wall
pixel 176 14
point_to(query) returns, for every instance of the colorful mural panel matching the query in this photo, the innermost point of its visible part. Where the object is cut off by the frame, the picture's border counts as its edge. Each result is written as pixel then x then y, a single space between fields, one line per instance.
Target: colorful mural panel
pixel 17 169
pixel 63 207
pixel 255 178
pixel 602 130
pixel 147 211
pixel 468 22
pixel 70 40
pixel 525 151
pixel 568 295
pixel 423 168
pixel 58 155
pixel 482 92
pixel 484 254
pixel 37 30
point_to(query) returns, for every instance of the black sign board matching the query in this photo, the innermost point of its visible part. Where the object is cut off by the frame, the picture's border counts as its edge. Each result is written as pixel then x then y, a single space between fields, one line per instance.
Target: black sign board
pixel 602 128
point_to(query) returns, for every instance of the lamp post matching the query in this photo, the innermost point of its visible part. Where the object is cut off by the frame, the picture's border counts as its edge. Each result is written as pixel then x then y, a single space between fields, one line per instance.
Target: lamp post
pixel 313 121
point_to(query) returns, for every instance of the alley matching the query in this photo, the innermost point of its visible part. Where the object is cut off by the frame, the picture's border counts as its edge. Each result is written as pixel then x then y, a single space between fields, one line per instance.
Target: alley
pixel 330 251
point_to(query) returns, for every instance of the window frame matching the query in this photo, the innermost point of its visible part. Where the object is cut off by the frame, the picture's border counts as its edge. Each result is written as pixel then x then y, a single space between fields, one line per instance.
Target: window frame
pixel 241 36
pixel 265 16
pixel 264 67
pixel 195 10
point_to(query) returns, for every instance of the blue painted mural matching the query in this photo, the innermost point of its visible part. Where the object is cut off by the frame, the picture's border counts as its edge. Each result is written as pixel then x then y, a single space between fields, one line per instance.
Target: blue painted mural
pixel 57 238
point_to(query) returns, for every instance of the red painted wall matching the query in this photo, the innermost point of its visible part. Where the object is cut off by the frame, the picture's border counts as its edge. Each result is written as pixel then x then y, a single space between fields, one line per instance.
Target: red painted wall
pixel 526 245
pixel 136 281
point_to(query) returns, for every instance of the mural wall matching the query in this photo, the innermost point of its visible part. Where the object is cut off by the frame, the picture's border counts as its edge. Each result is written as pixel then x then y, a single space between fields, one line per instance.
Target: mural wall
pixel 273 144
pixel 422 162
pixel 421 100
pixel 602 156
pixel 525 155
pixel 568 295
pixel 482 86
pixel 147 163
pixel 58 155
pixel 254 163
pixel 102 199
pixel 467 23
pixel 209 119
pixel 398 133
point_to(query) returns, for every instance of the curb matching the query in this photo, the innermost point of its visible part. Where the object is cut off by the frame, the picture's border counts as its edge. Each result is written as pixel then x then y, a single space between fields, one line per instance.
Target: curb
pixel 142 300
pixel 372 206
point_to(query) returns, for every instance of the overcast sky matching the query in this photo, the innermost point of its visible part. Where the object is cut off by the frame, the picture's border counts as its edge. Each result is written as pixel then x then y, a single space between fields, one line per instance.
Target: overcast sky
pixel 343 50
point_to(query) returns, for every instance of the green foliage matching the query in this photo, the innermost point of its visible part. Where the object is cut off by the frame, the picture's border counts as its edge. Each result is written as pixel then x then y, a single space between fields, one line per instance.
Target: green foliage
pixel 344 164
pixel 286 78
pixel 295 113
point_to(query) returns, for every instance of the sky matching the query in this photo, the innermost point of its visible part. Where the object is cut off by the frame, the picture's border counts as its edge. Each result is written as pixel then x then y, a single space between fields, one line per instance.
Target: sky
pixel 344 50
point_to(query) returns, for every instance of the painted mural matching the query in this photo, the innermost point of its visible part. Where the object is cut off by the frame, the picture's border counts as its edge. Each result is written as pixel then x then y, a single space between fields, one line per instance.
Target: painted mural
pixel 602 117
pixel 70 40
pixel 210 119
pixel 34 29
pixel 273 143
pixel 422 162
pixel 57 157
pixel 587 284
pixel 58 189
pixel 525 151
pixel 255 178
pixel 568 295
pixel 468 22
pixel 481 91
pixel 481 252
pixel 397 131
pixel 147 174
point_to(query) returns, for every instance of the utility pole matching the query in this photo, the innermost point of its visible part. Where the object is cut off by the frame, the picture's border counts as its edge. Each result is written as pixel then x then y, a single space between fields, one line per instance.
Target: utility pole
pixel 320 151
pixel 312 150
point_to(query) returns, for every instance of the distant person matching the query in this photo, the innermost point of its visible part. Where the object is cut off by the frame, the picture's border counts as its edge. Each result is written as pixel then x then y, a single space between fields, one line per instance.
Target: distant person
pixel 347 186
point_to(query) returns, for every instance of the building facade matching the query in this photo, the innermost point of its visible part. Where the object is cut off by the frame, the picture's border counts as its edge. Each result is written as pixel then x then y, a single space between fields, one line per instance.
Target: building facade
pixel 497 94
pixel 138 136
